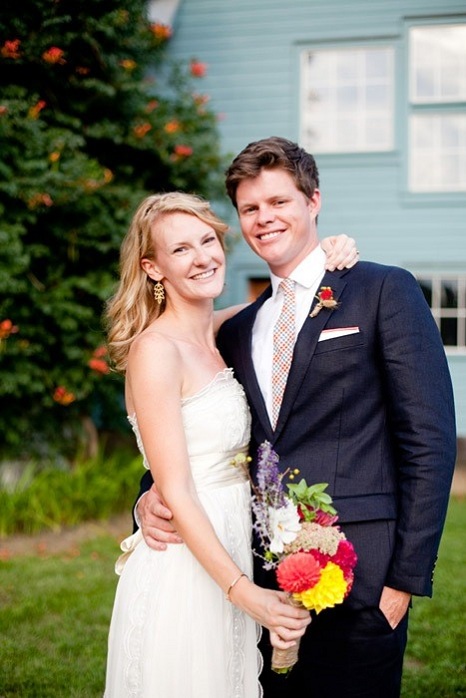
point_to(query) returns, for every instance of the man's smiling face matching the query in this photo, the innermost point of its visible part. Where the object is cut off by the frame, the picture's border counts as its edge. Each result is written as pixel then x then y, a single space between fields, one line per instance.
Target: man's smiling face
pixel 277 220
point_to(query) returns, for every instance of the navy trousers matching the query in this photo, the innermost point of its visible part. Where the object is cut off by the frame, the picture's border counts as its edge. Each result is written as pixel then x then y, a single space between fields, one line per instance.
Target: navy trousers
pixel 344 654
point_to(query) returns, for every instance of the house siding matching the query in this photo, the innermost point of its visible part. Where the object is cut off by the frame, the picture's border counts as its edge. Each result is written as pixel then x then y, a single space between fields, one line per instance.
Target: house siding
pixel 252 53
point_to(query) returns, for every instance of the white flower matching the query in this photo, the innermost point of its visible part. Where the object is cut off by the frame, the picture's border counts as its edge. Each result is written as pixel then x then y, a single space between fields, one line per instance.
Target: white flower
pixel 284 525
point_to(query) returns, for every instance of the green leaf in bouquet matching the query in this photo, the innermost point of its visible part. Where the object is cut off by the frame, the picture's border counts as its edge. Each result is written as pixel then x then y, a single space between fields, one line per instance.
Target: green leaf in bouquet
pixel 311 497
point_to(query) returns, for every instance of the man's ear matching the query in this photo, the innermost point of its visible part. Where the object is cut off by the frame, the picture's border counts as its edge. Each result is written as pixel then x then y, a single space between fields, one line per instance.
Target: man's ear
pixel 315 203
pixel 151 269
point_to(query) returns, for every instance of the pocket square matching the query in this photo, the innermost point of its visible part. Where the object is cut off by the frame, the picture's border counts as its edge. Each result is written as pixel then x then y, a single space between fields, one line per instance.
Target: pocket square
pixel 337 332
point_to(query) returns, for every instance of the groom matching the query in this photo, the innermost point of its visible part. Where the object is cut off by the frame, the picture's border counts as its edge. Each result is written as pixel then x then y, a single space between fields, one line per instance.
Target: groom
pixel 367 408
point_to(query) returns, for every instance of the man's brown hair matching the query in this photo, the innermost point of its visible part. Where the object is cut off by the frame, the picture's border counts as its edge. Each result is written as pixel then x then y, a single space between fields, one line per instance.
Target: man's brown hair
pixel 273 153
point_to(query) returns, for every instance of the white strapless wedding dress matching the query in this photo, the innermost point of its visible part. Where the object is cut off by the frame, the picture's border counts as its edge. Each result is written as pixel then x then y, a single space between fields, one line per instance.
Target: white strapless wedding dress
pixel 173 634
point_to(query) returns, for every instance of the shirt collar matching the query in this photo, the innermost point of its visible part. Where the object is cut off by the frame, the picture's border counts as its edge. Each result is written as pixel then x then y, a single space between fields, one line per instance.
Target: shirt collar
pixel 311 268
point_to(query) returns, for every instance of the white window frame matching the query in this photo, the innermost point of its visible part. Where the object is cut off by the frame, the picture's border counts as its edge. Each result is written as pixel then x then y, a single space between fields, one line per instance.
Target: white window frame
pixel 436 122
pixel 339 141
pixel 437 282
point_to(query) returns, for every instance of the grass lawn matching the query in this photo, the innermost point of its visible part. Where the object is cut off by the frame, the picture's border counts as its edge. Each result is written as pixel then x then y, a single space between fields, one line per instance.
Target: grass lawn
pixel 55 611
pixel 435 661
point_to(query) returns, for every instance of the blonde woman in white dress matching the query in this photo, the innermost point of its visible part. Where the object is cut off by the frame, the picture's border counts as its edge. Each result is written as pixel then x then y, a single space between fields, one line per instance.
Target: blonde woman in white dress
pixel 185 623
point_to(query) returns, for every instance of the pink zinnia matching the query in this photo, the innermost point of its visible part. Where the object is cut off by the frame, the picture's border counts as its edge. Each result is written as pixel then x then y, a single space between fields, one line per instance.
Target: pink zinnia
pixel 345 557
pixel 325 519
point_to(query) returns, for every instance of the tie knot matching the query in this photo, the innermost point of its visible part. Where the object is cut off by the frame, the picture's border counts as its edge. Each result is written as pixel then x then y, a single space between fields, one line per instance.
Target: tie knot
pixel 287 287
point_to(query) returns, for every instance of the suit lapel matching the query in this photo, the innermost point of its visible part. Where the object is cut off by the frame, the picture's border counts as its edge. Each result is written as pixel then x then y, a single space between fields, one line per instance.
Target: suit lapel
pixel 306 345
pixel 247 372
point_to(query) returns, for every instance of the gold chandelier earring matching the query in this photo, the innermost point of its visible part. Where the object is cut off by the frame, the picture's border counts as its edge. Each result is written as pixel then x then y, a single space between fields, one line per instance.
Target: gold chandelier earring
pixel 159 292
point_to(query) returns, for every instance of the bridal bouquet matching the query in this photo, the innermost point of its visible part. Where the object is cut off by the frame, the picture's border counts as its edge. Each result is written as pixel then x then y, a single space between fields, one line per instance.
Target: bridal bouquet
pixel 296 526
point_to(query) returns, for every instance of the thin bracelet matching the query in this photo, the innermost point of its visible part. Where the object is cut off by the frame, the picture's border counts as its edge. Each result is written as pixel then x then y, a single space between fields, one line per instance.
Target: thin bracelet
pixel 235 581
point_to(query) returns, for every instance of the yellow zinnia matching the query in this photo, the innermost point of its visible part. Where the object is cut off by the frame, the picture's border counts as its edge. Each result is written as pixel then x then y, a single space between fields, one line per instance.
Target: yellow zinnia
pixel 328 592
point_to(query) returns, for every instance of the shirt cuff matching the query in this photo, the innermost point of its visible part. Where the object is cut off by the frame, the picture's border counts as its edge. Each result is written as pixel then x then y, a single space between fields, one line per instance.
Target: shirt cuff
pixel 135 511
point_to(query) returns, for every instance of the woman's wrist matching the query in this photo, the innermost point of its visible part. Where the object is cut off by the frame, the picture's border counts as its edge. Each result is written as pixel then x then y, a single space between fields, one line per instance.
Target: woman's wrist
pixel 233 584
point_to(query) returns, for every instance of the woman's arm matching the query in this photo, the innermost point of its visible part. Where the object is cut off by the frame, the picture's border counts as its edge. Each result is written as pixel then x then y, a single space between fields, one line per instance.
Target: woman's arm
pixel 163 436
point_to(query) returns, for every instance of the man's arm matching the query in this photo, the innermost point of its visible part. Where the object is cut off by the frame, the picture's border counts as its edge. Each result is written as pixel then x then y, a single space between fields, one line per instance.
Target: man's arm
pixel 152 516
pixel 145 484
pixel 422 422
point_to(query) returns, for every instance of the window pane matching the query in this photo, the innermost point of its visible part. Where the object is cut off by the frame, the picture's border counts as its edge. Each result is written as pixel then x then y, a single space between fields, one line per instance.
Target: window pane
pixel 378 65
pixel 449 331
pixel 347 97
pixel 437 152
pixel 446 297
pixel 375 132
pixel 423 83
pixel 449 294
pixel 438 63
pixel 347 66
pixel 426 287
pixel 345 92
pixel 378 96
pixel 449 134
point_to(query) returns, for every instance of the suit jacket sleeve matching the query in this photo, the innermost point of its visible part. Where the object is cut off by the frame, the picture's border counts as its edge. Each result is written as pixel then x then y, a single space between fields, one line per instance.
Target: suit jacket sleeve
pixel 422 421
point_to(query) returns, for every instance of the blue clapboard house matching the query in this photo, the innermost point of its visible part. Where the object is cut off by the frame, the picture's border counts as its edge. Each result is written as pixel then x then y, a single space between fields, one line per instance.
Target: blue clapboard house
pixel 376 90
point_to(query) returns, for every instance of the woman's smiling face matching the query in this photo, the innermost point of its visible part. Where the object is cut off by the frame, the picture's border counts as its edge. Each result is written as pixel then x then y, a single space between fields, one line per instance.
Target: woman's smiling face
pixel 189 258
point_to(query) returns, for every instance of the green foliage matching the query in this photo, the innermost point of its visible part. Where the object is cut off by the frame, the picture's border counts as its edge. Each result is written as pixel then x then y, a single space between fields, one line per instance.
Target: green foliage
pixel 92 118
pixel 54 497
pixel 435 662
pixel 310 499
pixel 48 497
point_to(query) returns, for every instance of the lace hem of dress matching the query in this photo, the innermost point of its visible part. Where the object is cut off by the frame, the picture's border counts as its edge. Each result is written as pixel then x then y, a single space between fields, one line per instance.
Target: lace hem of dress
pixel 237 658
pixel 134 640
pixel 260 661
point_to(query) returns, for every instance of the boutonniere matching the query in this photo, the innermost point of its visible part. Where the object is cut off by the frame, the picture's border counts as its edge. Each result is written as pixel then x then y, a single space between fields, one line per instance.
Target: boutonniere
pixel 326 300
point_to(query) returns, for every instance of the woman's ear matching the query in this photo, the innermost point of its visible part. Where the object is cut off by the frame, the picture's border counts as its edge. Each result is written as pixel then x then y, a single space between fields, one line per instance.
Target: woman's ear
pixel 149 266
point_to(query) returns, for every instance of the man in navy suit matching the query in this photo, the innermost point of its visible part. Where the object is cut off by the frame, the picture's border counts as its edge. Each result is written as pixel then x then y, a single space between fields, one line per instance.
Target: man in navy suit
pixel 368 408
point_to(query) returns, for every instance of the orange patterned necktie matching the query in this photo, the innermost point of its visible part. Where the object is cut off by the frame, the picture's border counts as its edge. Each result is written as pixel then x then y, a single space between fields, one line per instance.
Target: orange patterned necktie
pixel 283 345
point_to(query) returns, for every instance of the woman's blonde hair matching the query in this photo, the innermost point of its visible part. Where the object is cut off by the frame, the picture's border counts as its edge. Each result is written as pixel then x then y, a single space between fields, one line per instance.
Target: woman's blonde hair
pixel 133 307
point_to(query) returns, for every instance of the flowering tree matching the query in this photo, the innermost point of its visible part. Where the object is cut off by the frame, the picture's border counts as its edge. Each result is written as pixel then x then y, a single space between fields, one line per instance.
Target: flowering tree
pixel 92 118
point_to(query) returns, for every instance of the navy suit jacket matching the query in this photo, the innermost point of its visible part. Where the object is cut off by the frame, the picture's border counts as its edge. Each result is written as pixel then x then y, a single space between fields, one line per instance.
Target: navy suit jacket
pixel 370 413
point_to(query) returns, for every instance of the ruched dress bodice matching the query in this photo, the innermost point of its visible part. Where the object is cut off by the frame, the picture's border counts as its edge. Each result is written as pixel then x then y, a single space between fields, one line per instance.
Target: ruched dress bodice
pixel 217 427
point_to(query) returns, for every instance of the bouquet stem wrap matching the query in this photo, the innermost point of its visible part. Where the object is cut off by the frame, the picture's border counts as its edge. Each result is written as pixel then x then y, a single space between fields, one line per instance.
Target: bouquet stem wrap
pixel 284 660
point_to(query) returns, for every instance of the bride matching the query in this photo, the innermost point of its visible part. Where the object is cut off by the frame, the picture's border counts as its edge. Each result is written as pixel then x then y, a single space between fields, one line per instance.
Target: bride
pixel 185 623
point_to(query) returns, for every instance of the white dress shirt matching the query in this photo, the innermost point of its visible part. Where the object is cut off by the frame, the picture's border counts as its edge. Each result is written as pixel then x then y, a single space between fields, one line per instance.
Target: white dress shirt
pixel 307 276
